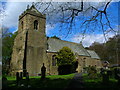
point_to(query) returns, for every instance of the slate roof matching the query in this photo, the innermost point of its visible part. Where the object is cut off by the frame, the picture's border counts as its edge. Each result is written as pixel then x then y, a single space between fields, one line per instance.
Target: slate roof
pixel 93 54
pixel 54 45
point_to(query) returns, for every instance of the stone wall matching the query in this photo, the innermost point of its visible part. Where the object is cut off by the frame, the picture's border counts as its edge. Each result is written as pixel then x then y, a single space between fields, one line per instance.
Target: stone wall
pixel 53 70
pixel 85 61
pixel 16 64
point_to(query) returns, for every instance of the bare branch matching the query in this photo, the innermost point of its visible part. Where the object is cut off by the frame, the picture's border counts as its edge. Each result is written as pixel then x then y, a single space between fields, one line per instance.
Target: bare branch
pixel 106 5
pixel 102 27
pixel 47 7
pixel 66 14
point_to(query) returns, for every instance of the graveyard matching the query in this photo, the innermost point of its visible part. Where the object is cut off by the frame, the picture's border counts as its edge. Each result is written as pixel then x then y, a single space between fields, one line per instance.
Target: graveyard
pixel 53 81
pixel 91 79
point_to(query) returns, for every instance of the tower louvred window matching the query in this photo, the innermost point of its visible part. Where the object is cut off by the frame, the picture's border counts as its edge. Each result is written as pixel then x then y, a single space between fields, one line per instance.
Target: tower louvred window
pixel 36 25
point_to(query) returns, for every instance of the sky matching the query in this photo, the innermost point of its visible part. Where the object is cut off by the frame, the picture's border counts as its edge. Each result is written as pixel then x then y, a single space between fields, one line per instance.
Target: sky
pixel 12 11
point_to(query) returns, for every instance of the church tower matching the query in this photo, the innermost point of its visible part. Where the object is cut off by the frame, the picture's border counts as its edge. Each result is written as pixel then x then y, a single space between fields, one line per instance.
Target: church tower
pixel 29 50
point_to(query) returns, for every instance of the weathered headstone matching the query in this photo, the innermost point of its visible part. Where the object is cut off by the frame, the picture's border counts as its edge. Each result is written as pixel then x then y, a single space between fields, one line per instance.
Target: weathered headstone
pixel 4 82
pixel 105 77
pixel 27 78
pixel 24 72
pixel 17 78
pixel 118 79
pixel 43 71
pixel 21 75
pixel 117 75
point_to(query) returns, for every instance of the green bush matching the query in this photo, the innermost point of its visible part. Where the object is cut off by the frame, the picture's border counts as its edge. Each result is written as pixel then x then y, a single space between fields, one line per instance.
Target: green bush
pixel 92 72
pixel 66 61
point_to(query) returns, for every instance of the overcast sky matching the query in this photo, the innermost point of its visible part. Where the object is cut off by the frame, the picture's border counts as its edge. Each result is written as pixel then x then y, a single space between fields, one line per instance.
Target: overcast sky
pixel 14 9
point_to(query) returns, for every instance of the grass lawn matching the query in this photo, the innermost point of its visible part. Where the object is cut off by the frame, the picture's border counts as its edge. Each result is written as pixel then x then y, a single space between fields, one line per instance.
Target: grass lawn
pixel 52 81
pixel 62 81
pixel 97 83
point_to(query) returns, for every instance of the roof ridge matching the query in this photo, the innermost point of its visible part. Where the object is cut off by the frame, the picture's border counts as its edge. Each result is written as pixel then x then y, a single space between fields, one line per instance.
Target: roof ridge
pixel 66 41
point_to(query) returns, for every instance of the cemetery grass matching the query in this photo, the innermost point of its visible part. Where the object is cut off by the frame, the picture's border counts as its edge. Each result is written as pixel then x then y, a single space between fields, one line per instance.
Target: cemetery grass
pixel 97 82
pixel 51 81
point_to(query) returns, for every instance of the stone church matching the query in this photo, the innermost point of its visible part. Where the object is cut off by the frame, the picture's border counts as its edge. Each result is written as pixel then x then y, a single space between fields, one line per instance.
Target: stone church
pixel 32 48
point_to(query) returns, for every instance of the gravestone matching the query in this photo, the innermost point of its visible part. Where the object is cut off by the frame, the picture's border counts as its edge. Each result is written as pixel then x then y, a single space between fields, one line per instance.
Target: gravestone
pixel 105 77
pixel 17 78
pixel 43 71
pixel 4 82
pixel 24 72
pixel 21 75
pixel 117 75
pixel 27 78
pixel 118 79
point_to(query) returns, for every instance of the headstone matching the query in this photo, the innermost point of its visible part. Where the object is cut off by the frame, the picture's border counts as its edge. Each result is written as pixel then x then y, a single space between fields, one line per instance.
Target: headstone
pixel 4 82
pixel 21 75
pixel 109 72
pixel 24 72
pixel 105 77
pixel 119 79
pixel 43 71
pixel 117 75
pixel 101 71
pixel 17 78
pixel 27 78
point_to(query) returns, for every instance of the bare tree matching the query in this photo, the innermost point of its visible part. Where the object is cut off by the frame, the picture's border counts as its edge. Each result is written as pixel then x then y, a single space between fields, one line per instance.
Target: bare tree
pixel 90 16
pixel 5 32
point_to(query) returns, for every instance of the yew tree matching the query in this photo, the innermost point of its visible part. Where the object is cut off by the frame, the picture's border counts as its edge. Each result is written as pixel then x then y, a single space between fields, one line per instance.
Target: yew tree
pixel 65 57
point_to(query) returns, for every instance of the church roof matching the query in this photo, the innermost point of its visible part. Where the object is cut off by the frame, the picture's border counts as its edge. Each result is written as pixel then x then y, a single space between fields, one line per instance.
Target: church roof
pixel 93 54
pixel 54 45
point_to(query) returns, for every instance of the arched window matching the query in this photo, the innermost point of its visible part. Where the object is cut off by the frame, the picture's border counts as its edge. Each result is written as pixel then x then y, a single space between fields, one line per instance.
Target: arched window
pixel 22 25
pixel 53 60
pixel 36 25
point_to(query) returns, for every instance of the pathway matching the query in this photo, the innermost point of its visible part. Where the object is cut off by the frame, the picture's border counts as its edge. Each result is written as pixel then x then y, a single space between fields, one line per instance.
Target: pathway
pixel 76 82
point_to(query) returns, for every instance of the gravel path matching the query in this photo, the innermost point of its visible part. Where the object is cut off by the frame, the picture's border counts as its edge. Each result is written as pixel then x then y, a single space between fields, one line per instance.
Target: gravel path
pixel 76 82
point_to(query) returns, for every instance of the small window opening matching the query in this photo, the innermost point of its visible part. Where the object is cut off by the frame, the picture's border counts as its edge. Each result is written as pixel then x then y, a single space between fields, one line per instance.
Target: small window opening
pixel 36 25
pixel 53 60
